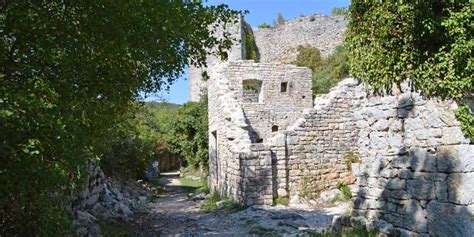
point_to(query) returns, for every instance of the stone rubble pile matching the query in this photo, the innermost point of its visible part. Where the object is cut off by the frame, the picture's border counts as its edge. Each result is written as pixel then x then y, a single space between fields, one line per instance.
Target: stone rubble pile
pixel 107 200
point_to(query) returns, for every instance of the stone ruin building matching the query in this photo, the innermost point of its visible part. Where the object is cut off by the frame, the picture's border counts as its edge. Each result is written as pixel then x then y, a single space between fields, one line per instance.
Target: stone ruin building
pixel 405 158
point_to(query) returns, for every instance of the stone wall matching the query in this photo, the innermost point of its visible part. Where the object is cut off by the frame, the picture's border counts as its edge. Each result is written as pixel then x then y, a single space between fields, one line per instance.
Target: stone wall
pixel 413 166
pixel 319 144
pixel 228 136
pixel 239 168
pixel 404 156
pixel 274 108
pixel 416 169
pixel 197 86
pixel 280 44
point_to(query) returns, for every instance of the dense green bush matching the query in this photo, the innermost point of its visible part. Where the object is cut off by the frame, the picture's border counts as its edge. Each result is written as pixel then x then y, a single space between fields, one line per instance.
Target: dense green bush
pixel 189 134
pixel 69 71
pixel 428 42
pixel 264 26
pixel 338 11
pixel 308 56
pixel 327 71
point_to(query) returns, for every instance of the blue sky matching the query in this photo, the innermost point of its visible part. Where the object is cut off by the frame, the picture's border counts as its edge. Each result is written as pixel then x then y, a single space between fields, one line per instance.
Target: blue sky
pixel 260 11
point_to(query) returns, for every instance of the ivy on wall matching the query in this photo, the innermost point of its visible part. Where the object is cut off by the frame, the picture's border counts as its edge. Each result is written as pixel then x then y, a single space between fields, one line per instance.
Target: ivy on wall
pixel 428 42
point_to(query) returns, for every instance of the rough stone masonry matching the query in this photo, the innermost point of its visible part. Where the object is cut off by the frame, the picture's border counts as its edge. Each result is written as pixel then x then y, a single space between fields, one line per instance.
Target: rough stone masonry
pixel 405 157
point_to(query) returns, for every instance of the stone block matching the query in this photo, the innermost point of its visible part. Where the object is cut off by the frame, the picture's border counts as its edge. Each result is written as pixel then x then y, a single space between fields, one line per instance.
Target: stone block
pixel 458 158
pixel 445 219
pixel 377 182
pixel 381 125
pixel 421 188
pixel 461 188
pixel 400 194
pixel 396 184
pixel 415 218
pixel 441 191
pixel 454 135
pixel 401 162
pixel 421 160
pixel 394 218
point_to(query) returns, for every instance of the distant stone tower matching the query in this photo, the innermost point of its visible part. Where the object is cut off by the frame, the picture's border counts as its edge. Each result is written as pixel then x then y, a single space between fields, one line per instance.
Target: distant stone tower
pixel 197 84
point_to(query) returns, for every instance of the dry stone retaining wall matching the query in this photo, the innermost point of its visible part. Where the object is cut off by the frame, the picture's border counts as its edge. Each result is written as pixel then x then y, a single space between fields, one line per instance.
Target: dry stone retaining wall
pixel 416 171
pixel 319 144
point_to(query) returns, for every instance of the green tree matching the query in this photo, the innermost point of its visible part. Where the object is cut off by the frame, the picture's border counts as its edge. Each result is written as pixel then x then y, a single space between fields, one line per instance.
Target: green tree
pixel 428 42
pixel 308 56
pixel 189 134
pixel 69 73
pixel 327 71
pixel 279 21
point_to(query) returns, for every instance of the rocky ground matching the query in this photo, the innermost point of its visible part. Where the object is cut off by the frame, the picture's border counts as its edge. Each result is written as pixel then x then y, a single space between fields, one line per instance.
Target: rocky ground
pixel 174 214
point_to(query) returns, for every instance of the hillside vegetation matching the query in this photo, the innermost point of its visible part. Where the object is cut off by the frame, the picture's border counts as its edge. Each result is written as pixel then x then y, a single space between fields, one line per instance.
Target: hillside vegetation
pixel 327 71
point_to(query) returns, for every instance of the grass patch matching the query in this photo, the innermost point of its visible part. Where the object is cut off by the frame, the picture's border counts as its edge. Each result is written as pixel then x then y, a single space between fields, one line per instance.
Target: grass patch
pixel 282 201
pixel 157 189
pixel 359 231
pixel 192 183
pixel 346 192
pixel 119 229
pixel 215 203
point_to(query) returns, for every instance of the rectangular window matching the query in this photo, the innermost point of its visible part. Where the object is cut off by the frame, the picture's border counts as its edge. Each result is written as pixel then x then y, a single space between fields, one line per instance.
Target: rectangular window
pixel 284 86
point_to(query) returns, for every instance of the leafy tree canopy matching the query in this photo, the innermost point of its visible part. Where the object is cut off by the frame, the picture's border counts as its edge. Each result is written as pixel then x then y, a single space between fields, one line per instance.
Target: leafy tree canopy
pixel 69 73
pixel 428 42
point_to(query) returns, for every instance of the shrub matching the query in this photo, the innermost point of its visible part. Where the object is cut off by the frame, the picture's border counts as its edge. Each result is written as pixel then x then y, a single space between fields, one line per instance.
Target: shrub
pixel 328 71
pixel 188 134
pixel 282 201
pixel 351 158
pixel 308 56
pixel 339 11
pixel 346 192
pixel 264 26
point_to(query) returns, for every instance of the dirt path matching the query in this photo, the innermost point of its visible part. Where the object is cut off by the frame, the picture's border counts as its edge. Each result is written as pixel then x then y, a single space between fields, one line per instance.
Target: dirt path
pixel 173 214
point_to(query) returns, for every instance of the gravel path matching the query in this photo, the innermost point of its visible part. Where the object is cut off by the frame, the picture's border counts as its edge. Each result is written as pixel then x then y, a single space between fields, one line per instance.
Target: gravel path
pixel 173 214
